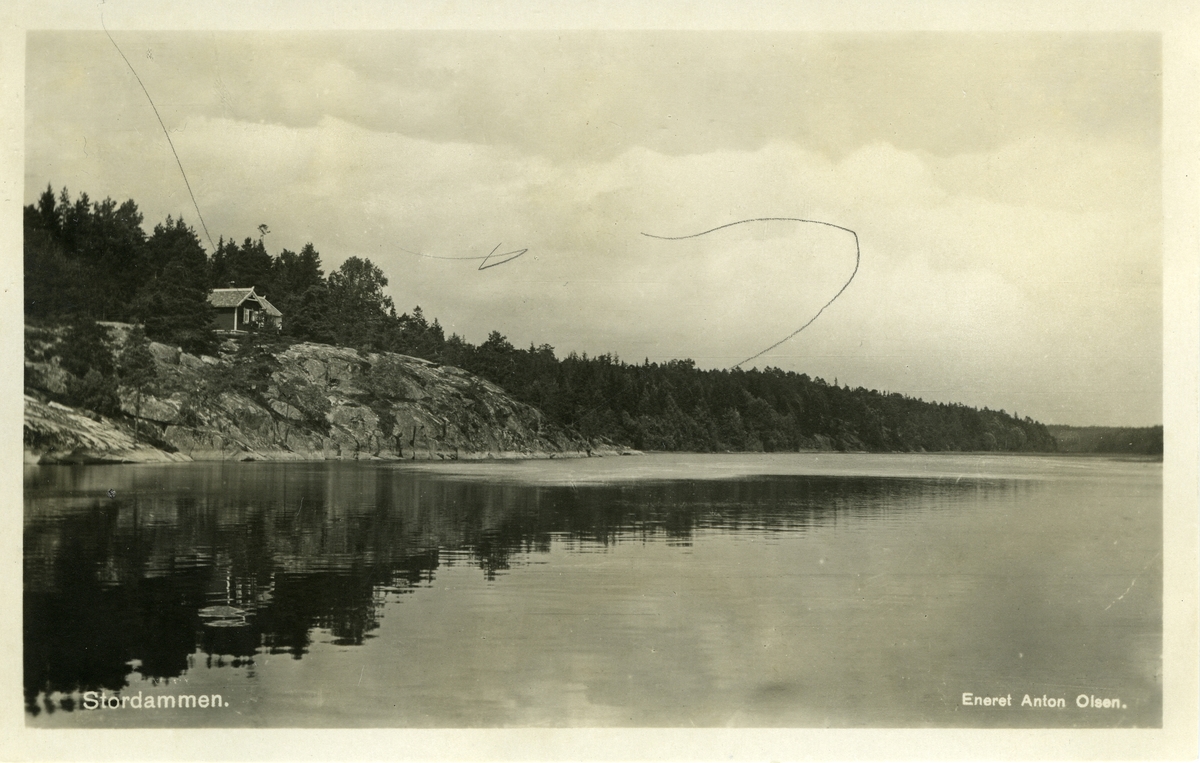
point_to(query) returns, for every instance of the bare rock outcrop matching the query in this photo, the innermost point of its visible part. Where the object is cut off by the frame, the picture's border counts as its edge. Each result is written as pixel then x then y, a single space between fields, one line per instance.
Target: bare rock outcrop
pixel 304 401
pixel 57 433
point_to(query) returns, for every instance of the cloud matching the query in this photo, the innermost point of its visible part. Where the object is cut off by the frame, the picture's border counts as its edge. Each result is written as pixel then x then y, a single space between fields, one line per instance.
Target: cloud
pixel 1022 275
pixel 594 95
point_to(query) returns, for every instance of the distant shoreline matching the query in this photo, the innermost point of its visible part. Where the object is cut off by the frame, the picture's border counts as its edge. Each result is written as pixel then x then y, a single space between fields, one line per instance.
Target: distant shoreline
pixel 1007 453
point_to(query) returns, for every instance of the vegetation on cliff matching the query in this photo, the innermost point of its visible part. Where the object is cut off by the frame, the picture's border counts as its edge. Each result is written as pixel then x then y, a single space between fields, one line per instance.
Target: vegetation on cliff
pixel 261 399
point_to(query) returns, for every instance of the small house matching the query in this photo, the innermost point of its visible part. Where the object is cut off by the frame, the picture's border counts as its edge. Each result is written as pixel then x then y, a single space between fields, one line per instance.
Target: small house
pixel 238 309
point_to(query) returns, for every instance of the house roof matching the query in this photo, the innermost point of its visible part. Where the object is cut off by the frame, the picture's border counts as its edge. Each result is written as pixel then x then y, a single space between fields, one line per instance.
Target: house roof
pixel 236 296
pixel 229 297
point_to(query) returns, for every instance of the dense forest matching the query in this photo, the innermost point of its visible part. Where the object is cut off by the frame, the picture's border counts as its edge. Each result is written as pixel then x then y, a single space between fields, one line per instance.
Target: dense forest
pixel 88 261
pixel 1145 441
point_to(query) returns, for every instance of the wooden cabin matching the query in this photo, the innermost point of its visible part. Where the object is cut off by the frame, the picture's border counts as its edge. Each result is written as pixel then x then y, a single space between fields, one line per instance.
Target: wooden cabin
pixel 239 308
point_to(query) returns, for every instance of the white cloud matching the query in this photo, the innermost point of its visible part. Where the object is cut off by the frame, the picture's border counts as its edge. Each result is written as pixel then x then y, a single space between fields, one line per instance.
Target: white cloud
pixel 973 286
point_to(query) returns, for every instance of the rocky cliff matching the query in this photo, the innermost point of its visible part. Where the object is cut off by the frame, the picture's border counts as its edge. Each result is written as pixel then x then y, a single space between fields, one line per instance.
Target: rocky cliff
pixel 304 401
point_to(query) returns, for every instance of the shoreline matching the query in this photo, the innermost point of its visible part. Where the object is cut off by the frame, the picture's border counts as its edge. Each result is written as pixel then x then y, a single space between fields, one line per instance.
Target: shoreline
pixel 146 454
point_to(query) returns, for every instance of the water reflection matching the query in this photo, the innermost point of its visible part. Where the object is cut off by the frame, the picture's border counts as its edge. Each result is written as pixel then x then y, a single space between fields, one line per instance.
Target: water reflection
pixel 227 562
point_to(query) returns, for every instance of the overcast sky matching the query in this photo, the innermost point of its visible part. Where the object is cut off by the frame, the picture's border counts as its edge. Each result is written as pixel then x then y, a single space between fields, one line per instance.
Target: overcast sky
pixel 1005 189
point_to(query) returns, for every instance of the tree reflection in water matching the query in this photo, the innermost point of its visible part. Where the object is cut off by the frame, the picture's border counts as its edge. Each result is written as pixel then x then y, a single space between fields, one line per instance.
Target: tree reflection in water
pixel 116 587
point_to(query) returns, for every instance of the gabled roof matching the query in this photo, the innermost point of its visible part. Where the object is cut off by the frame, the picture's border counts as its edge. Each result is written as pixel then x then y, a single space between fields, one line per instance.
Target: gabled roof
pixel 236 296
pixel 229 297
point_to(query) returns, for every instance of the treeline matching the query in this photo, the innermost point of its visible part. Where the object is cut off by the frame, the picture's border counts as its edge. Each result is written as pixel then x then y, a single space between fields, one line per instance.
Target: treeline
pixel 676 406
pixel 87 261
pixel 1146 441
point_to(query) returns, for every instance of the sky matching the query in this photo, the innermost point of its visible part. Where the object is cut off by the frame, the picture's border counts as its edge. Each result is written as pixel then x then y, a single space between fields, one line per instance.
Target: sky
pixel 1005 189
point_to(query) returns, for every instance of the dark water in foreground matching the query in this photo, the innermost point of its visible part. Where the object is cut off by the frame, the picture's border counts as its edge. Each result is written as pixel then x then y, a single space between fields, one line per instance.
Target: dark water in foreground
pixel 788 590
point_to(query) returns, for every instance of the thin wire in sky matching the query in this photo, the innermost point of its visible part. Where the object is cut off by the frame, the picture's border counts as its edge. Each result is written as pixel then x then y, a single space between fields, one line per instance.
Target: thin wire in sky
pixel 484 262
pixel 857 259
pixel 164 129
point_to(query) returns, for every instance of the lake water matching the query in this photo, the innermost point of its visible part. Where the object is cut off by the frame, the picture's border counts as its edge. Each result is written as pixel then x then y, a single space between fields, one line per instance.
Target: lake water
pixel 801 590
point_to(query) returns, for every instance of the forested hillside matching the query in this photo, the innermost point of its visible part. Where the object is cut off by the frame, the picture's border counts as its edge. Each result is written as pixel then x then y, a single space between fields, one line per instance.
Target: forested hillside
pixel 1146 441
pixel 87 261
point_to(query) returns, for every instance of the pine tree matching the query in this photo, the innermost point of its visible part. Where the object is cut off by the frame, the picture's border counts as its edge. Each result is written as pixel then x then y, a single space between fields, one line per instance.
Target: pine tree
pixel 173 303
pixel 136 370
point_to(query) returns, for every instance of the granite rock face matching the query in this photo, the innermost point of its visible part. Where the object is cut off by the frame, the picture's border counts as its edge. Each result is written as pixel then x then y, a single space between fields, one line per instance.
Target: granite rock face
pixel 306 401
pixel 56 433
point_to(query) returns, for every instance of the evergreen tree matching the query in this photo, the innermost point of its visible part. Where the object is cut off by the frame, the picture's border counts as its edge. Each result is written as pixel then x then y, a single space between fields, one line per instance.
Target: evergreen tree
pixel 297 288
pixel 84 347
pixel 244 266
pixel 137 371
pixel 82 258
pixel 112 248
pixel 173 303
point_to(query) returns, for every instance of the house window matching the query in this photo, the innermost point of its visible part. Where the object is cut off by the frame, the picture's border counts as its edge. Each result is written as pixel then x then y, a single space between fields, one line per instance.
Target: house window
pixel 247 315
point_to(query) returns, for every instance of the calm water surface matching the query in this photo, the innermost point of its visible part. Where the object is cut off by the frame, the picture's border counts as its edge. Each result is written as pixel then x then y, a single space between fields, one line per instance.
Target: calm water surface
pixel 744 590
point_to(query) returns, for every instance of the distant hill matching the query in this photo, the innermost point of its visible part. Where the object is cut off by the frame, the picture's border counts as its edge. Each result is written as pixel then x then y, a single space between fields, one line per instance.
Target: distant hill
pixel 1134 440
